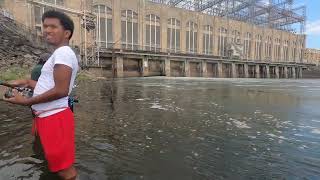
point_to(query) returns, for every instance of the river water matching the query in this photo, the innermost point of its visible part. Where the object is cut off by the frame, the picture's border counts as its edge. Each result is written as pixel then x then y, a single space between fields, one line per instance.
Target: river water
pixel 180 129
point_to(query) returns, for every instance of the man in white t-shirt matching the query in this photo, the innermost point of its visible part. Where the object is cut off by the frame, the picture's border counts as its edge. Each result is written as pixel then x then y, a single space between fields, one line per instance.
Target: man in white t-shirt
pixel 54 121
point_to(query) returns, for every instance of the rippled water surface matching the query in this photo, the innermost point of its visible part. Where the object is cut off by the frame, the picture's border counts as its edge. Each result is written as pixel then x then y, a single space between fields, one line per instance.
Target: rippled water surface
pixel 180 129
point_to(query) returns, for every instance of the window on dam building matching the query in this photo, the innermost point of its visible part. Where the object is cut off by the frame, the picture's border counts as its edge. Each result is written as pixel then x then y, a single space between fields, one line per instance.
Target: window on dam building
pixel 192 37
pixel 258 47
pixel 222 41
pixel 56 2
pixel 152 32
pixel 104 22
pixel 301 46
pixel 129 30
pixel 277 49
pixel 39 10
pixel 207 39
pixel 173 35
pixel 294 50
pixel 286 50
pixel 247 45
pixel 235 37
pixel 268 47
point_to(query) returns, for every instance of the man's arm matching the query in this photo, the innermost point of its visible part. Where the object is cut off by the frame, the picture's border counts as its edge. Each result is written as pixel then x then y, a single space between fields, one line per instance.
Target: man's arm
pixel 62 77
pixel 29 83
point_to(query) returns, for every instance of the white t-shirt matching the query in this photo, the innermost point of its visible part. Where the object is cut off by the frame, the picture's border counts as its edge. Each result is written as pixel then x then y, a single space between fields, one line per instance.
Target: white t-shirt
pixel 63 55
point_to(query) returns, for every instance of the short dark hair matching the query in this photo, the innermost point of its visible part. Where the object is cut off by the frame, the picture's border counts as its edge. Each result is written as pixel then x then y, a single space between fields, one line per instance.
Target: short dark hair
pixel 64 19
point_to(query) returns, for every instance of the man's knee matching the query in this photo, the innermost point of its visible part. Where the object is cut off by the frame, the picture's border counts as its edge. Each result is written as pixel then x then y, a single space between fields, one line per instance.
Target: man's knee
pixel 68 174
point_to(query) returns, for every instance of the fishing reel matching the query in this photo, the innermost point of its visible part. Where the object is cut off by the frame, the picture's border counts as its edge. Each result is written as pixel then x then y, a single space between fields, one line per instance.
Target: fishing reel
pixel 26 92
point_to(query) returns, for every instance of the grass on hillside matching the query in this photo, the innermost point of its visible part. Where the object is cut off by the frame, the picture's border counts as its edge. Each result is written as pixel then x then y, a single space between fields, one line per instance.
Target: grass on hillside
pixel 14 73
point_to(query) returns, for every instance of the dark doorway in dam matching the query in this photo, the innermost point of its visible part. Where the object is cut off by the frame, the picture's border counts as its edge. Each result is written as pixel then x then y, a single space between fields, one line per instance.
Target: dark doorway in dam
pixel 155 67
pixel 263 71
pixel 240 71
pixel 177 68
pixel 212 69
pixel 106 63
pixel 290 72
pixel 132 67
pixel 226 70
pixel 272 71
pixel 298 73
pixel 252 71
pixel 281 72
pixel 195 69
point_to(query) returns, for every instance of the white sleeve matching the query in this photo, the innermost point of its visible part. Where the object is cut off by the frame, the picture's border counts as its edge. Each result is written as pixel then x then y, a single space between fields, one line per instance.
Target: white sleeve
pixel 64 56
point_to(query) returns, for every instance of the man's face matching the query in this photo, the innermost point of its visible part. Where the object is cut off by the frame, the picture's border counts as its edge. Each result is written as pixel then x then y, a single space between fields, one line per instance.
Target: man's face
pixel 54 32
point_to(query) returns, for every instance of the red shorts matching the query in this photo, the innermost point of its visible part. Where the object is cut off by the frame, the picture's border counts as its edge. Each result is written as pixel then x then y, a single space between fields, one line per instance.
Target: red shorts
pixel 56 134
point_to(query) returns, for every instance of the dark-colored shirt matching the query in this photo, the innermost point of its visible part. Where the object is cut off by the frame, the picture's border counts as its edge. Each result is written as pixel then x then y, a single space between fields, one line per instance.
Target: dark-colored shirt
pixel 36 72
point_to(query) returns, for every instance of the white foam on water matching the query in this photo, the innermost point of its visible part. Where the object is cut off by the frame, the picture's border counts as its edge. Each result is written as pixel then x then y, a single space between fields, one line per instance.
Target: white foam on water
pixel 315 120
pixel 139 99
pixel 239 124
pixel 250 85
pixel 309 127
pixel 279 137
pixel 267 116
pixel 4 133
pixel 315 131
pixel 299 135
pixel 157 106
pixel 272 135
pixel 257 112
pixel 287 122
pixel 303 147
pixel 173 108
pixel 195 154
pixel 314 89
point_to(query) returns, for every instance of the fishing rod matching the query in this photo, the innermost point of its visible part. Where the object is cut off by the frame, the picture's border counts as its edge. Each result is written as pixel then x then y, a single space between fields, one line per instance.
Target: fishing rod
pixel 7 84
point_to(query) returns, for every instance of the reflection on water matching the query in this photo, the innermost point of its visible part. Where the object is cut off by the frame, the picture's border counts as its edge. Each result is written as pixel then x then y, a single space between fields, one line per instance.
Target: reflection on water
pixel 179 128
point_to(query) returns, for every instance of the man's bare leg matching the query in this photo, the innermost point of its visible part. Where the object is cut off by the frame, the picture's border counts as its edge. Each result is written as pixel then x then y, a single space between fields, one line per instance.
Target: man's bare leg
pixel 68 174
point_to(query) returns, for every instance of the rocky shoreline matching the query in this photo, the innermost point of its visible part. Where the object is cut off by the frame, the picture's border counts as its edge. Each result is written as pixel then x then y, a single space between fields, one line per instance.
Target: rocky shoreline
pixel 16 50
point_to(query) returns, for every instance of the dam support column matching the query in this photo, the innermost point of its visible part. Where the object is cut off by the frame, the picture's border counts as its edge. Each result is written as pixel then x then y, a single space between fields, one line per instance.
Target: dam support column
pixel 204 68
pixel 277 72
pixel 167 67
pixel 268 71
pixel 294 76
pixel 186 68
pixel 118 66
pixel 286 72
pixel 257 71
pixel 234 70
pixel 246 70
pixel 145 67
pixel 300 72
pixel 220 74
